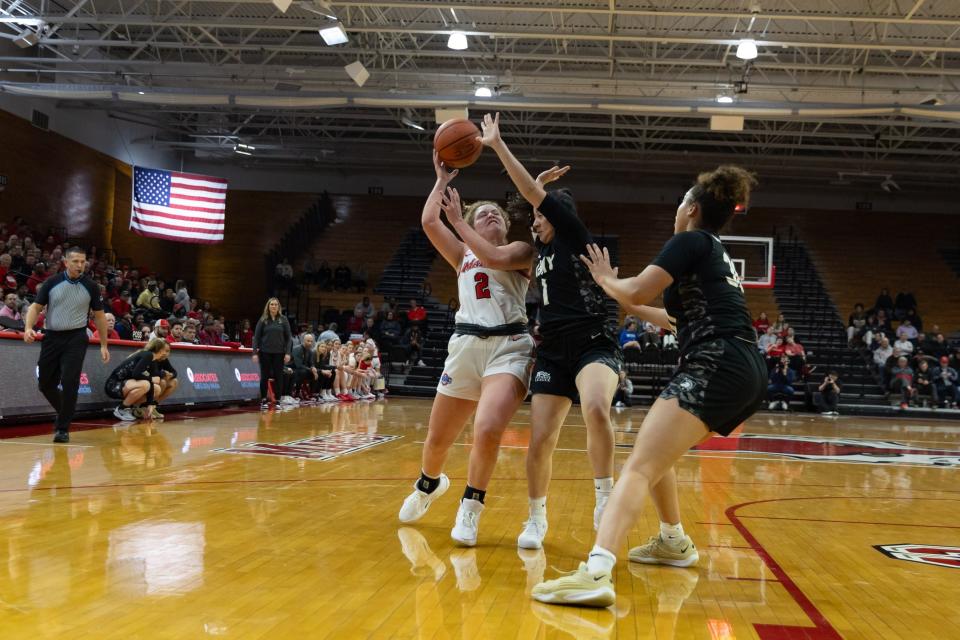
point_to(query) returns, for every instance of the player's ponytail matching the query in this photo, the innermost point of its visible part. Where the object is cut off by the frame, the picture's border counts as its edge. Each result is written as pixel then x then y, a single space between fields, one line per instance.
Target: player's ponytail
pixel 718 193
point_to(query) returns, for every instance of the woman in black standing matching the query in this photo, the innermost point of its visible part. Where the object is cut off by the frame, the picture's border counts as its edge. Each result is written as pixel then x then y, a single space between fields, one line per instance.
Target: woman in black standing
pixel 272 344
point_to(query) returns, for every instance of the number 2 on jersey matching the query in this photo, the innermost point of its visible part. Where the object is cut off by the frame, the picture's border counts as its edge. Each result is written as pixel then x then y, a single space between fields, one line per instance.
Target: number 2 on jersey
pixel 481 284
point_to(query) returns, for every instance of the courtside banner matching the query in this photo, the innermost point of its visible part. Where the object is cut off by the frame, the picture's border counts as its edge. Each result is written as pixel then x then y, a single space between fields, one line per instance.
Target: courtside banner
pixel 206 374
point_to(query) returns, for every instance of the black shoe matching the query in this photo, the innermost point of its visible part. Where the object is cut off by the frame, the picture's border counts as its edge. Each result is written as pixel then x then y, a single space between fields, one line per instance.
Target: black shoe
pixel 61 436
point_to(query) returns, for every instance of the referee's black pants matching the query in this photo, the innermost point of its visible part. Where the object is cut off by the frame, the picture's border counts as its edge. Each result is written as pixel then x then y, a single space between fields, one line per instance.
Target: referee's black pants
pixel 60 364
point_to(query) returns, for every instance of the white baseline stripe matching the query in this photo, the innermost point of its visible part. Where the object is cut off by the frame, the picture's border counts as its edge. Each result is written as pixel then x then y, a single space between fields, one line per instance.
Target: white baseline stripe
pixel 176 234
pixel 187 226
pixel 196 183
pixel 156 208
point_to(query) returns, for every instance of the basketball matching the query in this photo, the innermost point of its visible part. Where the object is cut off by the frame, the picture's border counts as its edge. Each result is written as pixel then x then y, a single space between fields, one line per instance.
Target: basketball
pixel 456 143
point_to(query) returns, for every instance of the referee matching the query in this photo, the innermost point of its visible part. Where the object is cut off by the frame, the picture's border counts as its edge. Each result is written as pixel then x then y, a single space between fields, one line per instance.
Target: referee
pixel 68 298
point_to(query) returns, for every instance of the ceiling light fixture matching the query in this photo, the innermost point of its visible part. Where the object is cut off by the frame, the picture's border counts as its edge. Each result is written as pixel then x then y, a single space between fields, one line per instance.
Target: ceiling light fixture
pixel 334 35
pixel 483 92
pixel 244 149
pixel 457 41
pixel 747 49
pixel 408 121
pixel 724 98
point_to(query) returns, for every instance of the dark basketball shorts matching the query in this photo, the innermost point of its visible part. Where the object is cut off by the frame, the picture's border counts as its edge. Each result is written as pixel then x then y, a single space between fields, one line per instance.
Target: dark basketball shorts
pixel 114 388
pixel 560 360
pixel 723 382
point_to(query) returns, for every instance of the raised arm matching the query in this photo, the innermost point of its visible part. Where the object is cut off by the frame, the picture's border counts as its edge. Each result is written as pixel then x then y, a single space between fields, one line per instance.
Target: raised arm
pixel 509 257
pixel 440 236
pixel 629 292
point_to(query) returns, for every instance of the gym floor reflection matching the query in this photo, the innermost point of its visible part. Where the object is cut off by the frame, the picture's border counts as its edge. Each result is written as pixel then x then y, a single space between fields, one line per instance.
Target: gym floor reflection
pixel 240 524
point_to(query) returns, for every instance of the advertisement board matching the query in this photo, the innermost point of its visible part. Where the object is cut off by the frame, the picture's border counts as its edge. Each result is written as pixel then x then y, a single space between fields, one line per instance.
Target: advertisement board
pixel 206 374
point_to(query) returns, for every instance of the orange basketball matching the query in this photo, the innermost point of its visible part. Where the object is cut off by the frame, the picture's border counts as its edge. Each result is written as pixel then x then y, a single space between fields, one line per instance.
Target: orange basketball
pixel 456 143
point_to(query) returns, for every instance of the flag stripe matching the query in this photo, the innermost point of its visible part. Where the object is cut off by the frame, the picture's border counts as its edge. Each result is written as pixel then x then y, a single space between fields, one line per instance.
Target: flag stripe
pixel 179 212
pixel 180 221
pixel 209 203
pixel 176 232
pixel 184 207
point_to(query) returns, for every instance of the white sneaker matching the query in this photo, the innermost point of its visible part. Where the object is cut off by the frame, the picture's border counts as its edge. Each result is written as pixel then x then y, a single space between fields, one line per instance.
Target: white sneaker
pixel 288 400
pixel 468 520
pixel 369 396
pixel 772 406
pixel 785 405
pixel 418 502
pixel 421 363
pixel 619 405
pixel 534 531
pixel 124 413
pixel 598 510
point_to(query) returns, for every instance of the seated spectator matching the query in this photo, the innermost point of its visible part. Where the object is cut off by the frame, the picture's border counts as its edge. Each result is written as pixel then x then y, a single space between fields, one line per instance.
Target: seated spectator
pixel 856 323
pixel 305 371
pixel 124 327
pixel 903 303
pixel 939 347
pixel 324 275
pixel 284 274
pixel 650 338
pixel 882 353
pixel 906 331
pixel 121 305
pixel 111 328
pixel 945 383
pixel 924 382
pixel 901 382
pixel 8 281
pixel 413 342
pixel 212 334
pixel 827 397
pixel 796 353
pixel 360 277
pixel 390 330
pixel 246 333
pixel 768 338
pixel 365 308
pixel 189 334
pixel 780 390
pixel 149 298
pixel 167 301
pixel 355 323
pixel 914 319
pixel 11 308
pixel 36 278
pixel 762 323
pixel 902 347
pixel 417 314
pixel 176 331
pixel 341 277
pixel 775 351
pixel 883 302
pixel 161 329
pixel 786 330
pixel 181 301
pixel 780 324
pixel 310 269
pixel 370 330
pixel 629 339
pixel 624 390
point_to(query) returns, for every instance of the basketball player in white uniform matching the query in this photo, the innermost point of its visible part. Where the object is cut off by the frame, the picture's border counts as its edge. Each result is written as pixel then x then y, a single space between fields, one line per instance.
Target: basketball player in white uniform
pixel 490 356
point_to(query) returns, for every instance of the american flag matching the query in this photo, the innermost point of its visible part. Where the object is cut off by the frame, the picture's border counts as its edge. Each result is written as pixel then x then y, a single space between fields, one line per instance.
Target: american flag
pixel 185 207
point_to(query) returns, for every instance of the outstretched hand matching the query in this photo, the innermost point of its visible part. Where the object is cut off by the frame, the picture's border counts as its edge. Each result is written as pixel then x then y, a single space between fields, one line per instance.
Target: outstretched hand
pixel 552 174
pixel 599 265
pixel 443 176
pixel 491 130
pixel 451 206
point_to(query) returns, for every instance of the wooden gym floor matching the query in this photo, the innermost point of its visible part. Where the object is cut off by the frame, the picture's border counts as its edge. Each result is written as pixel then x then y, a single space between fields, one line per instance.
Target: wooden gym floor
pixel 138 531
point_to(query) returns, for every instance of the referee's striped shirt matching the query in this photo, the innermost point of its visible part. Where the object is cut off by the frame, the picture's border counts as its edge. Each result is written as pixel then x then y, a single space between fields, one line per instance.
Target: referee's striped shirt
pixel 68 301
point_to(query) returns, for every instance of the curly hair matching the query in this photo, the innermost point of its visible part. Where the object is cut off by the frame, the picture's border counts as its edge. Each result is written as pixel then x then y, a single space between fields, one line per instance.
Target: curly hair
pixel 718 193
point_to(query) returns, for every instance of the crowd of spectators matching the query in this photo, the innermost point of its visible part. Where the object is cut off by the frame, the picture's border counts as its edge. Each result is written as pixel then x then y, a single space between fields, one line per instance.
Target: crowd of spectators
pixel 914 366
pixel 139 304
pixel 339 277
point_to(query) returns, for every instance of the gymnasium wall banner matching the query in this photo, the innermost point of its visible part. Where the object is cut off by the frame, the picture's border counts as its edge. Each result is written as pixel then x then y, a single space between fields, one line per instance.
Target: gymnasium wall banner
pixel 206 374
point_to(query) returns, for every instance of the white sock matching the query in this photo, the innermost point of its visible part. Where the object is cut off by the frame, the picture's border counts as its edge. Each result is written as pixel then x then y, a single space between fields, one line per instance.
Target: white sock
pixel 672 534
pixel 600 561
pixel 603 486
pixel 538 508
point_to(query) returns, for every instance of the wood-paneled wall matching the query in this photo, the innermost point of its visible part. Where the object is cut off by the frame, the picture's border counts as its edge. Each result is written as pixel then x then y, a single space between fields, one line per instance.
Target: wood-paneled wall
pixel 56 181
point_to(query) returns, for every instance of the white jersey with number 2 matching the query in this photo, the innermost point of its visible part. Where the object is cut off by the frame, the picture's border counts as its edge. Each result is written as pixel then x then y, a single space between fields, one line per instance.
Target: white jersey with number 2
pixel 490 297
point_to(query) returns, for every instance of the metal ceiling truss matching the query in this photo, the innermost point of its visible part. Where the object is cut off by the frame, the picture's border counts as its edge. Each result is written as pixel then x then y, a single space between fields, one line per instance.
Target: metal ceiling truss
pixel 815 52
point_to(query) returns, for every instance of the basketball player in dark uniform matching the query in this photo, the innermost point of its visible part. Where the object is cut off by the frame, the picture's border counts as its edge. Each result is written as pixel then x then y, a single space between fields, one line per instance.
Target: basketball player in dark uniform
pixel 579 354
pixel 721 379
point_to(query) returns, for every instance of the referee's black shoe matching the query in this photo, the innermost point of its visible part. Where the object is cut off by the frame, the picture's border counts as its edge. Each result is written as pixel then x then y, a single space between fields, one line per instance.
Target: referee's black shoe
pixel 61 435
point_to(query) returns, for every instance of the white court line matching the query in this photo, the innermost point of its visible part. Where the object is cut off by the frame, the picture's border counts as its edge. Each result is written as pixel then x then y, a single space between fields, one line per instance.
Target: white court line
pixel 49 444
